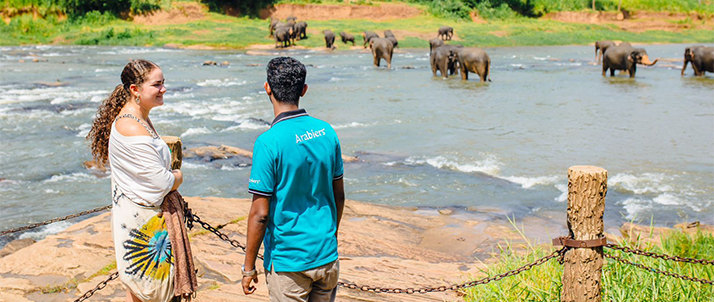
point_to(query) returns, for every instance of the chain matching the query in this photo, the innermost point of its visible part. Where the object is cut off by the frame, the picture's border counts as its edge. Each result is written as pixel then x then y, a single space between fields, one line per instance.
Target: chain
pixel 97 288
pixel 39 224
pixel 443 288
pixel 659 256
pixel 218 233
pixel 647 268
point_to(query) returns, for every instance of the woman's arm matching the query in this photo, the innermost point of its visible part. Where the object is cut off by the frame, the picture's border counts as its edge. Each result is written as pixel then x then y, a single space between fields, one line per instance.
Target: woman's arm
pixel 178 179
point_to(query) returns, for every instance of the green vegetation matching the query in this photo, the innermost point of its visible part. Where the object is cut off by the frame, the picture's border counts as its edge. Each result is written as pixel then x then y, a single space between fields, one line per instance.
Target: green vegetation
pixel 506 27
pixel 620 282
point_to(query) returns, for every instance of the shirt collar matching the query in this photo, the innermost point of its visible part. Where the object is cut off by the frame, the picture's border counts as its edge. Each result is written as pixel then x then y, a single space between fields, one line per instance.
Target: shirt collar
pixel 288 115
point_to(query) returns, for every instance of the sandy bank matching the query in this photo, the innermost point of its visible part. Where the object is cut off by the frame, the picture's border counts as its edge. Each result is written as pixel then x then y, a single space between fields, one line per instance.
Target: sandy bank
pixel 379 246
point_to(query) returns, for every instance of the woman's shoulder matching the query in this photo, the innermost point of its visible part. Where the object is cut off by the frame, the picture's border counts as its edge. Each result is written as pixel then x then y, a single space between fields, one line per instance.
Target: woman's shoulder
pixel 131 127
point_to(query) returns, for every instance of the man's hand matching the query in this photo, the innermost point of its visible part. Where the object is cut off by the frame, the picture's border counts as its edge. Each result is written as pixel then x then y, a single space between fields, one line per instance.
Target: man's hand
pixel 247 288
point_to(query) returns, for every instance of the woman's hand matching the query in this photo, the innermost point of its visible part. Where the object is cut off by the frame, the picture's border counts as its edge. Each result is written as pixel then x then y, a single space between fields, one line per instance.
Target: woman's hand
pixel 178 179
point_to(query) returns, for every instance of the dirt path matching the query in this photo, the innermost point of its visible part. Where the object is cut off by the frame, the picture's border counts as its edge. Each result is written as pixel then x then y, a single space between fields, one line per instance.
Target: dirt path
pixel 637 21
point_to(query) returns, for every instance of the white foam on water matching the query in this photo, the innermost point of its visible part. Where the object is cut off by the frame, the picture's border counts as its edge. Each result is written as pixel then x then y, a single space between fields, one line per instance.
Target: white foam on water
pixel 668 200
pixel 353 125
pixel 406 182
pixel 192 166
pixel 78 176
pixel 196 131
pixel 634 206
pixel 56 95
pixel 84 130
pixel 335 79
pixel 222 83
pixel 540 58
pixel 131 51
pixel 231 168
pixel 528 182
pixel 104 69
pixel 49 229
pixel 563 188
pixel 645 183
pixel 489 165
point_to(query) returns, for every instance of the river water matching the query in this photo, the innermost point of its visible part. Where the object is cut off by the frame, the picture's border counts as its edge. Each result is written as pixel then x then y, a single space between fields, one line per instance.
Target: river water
pixel 422 140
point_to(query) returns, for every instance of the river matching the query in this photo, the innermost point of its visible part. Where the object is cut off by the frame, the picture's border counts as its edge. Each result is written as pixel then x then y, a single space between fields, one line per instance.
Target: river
pixel 423 141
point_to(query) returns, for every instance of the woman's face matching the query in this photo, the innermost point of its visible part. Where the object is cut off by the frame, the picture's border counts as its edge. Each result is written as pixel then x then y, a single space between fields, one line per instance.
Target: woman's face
pixel 151 92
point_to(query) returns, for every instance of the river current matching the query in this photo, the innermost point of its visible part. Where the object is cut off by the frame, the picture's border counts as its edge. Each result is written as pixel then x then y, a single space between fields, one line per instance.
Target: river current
pixel 423 141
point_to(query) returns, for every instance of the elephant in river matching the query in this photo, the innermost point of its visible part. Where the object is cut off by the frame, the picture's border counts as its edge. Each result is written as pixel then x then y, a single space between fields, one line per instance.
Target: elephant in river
pixel 329 39
pixel 368 36
pixel 702 59
pixel 395 43
pixel 600 48
pixel 347 38
pixel 382 48
pixel 624 57
pixel 273 23
pixel 445 33
pixel 434 43
pixel 473 60
pixel 301 30
pixel 444 58
pixel 283 34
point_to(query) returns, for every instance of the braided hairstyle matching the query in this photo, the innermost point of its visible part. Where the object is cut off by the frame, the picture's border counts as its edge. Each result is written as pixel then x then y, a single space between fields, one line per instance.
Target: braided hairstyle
pixel 135 72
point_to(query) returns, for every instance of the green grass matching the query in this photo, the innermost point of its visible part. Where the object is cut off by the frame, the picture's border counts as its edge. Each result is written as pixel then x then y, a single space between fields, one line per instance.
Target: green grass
pixel 220 31
pixel 620 282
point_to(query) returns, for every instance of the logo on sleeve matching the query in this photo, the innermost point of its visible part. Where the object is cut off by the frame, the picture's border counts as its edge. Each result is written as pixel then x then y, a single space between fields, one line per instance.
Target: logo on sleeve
pixel 254 181
pixel 299 138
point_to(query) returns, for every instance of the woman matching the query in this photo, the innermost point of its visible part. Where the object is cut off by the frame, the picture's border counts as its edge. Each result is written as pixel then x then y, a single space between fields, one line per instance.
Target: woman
pixel 141 175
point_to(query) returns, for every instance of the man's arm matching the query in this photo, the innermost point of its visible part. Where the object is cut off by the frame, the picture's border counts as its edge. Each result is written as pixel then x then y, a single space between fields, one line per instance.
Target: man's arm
pixel 257 222
pixel 338 187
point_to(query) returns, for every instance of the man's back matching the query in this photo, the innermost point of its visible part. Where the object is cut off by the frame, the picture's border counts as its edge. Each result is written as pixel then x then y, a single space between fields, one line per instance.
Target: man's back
pixel 295 163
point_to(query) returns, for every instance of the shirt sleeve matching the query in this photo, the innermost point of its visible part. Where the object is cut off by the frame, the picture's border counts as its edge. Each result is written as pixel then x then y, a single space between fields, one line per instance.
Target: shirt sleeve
pixel 153 180
pixel 338 172
pixel 262 173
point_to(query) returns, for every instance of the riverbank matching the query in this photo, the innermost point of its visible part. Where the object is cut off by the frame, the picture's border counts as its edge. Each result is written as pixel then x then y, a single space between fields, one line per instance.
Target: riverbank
pixel 416 247
pixel 190 25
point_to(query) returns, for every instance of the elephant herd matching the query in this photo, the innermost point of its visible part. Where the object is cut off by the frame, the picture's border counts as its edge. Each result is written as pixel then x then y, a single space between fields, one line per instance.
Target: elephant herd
pixel 452 59
pixel 625 57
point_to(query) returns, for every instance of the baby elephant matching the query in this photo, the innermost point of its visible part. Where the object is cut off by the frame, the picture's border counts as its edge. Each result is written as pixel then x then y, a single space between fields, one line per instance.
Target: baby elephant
pixel 329 39
pixel 347 38
pixel 445 33
pixel 473 60
pixel 382 48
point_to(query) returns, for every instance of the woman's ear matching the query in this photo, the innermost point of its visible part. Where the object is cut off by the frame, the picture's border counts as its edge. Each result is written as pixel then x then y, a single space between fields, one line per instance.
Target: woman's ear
pixel 134 90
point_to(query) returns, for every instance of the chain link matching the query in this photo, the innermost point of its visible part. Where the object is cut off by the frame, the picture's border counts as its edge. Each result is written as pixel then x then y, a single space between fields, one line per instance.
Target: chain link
pixel 443 288
pixel 210 228
pixel 659 256
pixel 97 288
pixel 39 224
pixel 647 268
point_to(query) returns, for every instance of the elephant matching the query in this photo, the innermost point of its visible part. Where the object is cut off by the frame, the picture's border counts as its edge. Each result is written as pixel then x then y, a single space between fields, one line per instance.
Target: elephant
pixel 301 30
pixel 291 18
pixel 445 33
pixel 367 36
pixel 600 48
pixel 473 60
pixel 434 43
pixel 444 58
pixel 329 39
pixel 283 34
pixel 291 23
pixel 395 43
pixel 388 33
pixel 273 23
pixel 382 48
pixel 347 38
pixel 624 57
pixel 702 59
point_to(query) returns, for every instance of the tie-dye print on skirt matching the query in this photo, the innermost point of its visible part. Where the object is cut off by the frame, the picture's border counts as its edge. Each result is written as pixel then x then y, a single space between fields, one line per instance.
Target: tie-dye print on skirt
pixel 145 261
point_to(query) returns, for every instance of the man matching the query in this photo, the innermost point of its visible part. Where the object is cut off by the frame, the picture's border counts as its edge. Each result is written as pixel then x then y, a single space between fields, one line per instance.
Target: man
pixel 298 195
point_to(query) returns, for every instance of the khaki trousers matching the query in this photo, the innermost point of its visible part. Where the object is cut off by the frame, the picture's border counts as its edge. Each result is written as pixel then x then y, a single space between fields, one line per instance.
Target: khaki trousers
pixel 314 285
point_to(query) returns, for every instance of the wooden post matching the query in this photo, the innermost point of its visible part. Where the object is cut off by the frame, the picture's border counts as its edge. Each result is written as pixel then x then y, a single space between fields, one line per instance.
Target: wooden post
pixel 582 267
pixel 174 143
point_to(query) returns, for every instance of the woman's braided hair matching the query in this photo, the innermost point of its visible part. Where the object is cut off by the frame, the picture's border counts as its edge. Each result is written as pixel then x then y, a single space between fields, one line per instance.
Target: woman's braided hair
pixel 135 72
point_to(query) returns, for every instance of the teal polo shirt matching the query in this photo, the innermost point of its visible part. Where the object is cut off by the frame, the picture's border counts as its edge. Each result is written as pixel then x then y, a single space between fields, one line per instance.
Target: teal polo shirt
pixel 294 164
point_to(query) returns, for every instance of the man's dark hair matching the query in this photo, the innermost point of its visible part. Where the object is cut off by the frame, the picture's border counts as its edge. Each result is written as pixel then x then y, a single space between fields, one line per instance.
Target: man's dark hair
pixel 286 77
